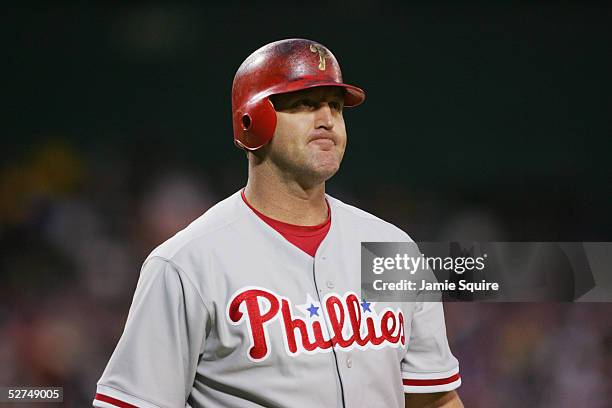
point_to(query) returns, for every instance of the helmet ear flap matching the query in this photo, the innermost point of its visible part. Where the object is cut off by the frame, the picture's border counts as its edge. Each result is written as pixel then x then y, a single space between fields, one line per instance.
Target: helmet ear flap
pixel 254 125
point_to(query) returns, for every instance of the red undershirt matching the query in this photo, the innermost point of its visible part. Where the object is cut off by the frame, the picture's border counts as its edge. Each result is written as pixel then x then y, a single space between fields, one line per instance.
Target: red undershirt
pixel 307 238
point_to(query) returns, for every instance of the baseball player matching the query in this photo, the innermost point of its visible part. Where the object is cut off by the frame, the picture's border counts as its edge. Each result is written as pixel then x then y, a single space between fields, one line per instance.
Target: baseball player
pixel 257 302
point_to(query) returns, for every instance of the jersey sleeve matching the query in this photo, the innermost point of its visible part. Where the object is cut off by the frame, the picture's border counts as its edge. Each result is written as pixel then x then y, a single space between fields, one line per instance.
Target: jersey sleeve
pixel 155 361
pixel 429 365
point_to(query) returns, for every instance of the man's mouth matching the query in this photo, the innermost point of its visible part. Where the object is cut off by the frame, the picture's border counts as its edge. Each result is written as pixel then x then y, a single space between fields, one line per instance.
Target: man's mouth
pixel 324 143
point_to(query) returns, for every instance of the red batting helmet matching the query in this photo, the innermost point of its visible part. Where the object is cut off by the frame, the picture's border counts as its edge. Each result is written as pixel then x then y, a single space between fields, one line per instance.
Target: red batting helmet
pixel 280 67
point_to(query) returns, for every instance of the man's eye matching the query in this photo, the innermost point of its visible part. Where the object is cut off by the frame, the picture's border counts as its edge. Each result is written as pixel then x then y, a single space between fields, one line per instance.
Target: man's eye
pixel 336 105
pixel 307 103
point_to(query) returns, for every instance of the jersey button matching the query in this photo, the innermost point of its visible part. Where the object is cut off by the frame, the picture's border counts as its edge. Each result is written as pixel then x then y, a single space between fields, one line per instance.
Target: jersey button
pixel 349 362
pixel 330 284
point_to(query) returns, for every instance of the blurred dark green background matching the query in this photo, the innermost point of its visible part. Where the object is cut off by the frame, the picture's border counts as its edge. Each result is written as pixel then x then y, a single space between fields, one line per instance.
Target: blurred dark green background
pixel 502 107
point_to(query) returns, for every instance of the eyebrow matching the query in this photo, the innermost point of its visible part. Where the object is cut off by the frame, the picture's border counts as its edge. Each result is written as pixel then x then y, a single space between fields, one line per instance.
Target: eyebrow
pixel 330 95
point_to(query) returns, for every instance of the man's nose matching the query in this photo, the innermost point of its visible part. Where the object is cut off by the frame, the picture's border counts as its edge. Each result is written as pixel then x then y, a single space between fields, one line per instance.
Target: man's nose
pixel 324 116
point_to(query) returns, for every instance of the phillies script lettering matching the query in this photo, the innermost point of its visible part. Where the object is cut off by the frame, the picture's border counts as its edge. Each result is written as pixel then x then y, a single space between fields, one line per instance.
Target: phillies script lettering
pixel 343 322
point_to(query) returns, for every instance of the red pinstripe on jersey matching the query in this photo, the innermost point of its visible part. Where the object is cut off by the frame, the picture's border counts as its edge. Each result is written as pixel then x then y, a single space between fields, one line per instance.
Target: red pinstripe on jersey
pixel 437 381
pixel 114 401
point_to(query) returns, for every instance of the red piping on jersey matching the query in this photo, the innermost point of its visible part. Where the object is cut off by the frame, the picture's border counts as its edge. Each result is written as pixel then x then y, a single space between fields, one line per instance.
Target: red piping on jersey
pixel 439 381
pixel 115 402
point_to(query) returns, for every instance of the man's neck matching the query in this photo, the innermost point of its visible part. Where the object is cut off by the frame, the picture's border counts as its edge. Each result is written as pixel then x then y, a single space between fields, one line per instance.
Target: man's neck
pixel 287 200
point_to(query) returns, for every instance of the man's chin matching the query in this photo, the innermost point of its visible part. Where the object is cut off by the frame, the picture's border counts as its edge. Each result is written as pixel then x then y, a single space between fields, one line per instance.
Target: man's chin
pixel 327 170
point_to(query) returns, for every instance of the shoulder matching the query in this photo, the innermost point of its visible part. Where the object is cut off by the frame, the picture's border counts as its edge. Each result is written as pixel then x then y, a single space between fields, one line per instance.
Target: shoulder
pixel 361 219
pixel 204 231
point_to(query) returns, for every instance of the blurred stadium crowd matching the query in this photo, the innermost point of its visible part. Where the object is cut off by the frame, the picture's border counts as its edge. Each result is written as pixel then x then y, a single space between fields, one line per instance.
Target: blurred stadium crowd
pixel 74 229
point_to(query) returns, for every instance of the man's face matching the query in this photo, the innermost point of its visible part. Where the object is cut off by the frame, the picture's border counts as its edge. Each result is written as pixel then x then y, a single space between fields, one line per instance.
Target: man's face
pixel 310 135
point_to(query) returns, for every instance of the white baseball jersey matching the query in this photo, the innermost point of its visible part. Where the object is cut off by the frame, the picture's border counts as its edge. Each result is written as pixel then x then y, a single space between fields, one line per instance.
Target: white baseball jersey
pixel 228 313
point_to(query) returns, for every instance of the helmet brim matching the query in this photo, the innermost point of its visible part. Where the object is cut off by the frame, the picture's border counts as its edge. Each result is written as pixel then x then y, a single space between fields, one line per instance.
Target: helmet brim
pixel 353 96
